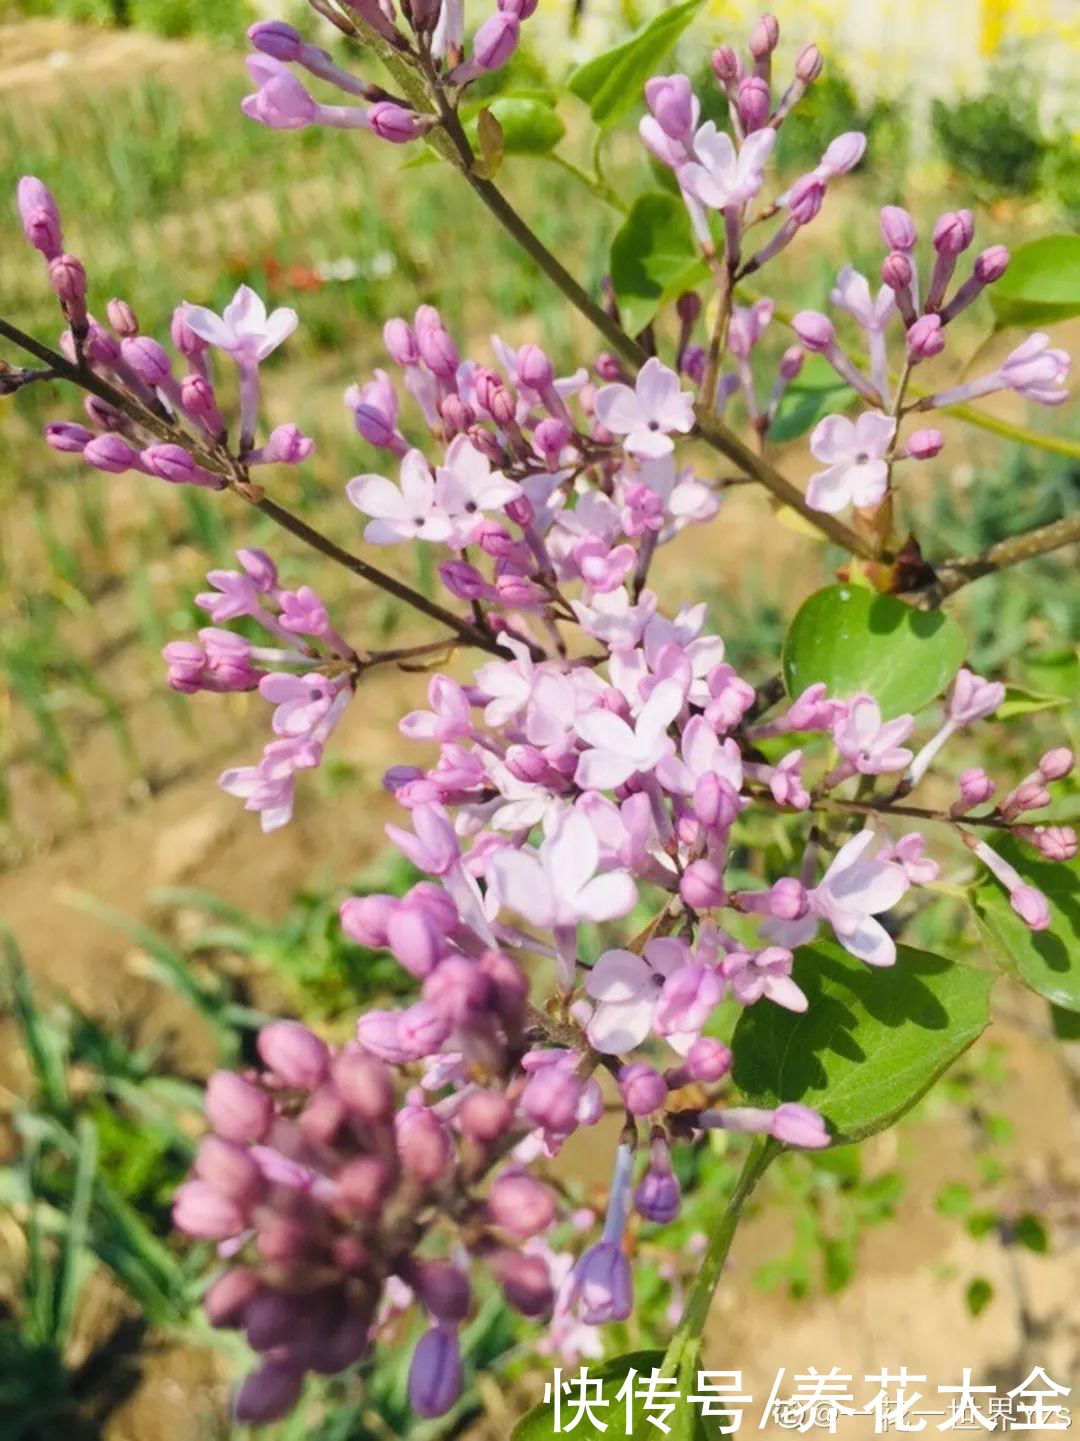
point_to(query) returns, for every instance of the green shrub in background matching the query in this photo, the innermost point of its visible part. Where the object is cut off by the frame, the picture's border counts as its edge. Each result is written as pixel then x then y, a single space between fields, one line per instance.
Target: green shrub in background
pixel 218 19
pixel 993 140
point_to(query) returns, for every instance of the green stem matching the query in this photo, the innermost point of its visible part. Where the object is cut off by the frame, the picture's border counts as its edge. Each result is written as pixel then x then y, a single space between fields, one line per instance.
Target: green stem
pixel 696 1310
pixel 595 187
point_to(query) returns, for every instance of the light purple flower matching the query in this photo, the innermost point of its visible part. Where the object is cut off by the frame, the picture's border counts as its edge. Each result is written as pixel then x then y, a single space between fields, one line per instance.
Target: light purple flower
pixel 408 512
pixel 557 885
pixel 619 750
pixel 857 887
pixel 870 745
pixel 854 452
pixel 244 329
pixel 626 988
pixel 647 414
pixel 719 175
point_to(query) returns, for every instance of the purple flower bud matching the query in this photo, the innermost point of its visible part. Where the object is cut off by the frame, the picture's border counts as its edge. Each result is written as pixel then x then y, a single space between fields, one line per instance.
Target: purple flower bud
pixel 183 337
pixel 149 360
pixel 422 1030
pixel 788 900
pixel 991 264
pixel 1031 906
pixel 496 40
pixel 287 445
pixel 925 444
pixel 809 64
pixel 805 198
pixel 294 1054
pixel 642 1088
pixel 458 989
pixel 523 9
pixel 764 37
pixel 281 103
pixel 227 1298
pixel 201 1211
pixel 551 1098
pixel 708 1059
pixel 658 1197
pixel 1057 764
pixel 520 511
pixel 260 568
pixel 898 228
pixel 525 1282
pixel 67 276
pixel 423 1146
pixel 111 453
pixel 534 368
pixel 364 1084
pixel 172 463
pixel 229 1169
pixel 274 37
pixel 485 1115
pixel 816 331
pixel 463 580
pixel 510 983
pixel 521 1204
pixel 274 1318
pixel 953 232
pixel 550 439
pixel 702 885
pixel 602 1285
pixel 797 1125
pixel 753 102
pixel 725 64
pixel 925 339
pixel 396 124
pixel 435 1373
pixel 400 342
pixel 1056 843
pixel 438 351
pixel 66 436
pixel 897 270
pixel 363 1184
pixel 199 401
pixel 39 215
pixel 791 362
pixel 364 919
pixel 976 788
pixel 122 318
pixel 1029 795
pixel 443 1290
pixel 236 1109
pixel 456 415
pixel 268 1394
pixel 671 100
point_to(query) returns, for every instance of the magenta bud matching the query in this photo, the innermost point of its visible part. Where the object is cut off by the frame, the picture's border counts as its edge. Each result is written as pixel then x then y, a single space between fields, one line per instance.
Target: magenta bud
pixel 365 919
pixel 463 580
pixel 268 1394
pixel 897 228
pixel 816 331
pixel 422 1143
pixel 534 368
pixel 283 1240
pixel 753 102
pixel 953 232
pixel 1030 795
pixel 976 788
pixel 456 415
pixel 39 215
pixel 926 338
pixel 485 1115
pixel 122 318
pixel 520 1204
pixel 237 1110
pixel 725 64
pixel 226 1300
pixel 363 1185
pixel 658 1197
pixel 67 276
pixel 897 270
pixel 443 1290
pixel 395 123
pixel 66 436
pixel 1057 764
pixel 172 463
pixel 805 198
pixel 111 453
pixel 183 337
pixel 400 342
pixel 415 940
pixel 520 511
pixel 525 1281
pixel 376 427
pixel 229 1168
pixel 925 444
pixel 201 1211
pixel 809 64
pixel 788 899
pixel 198 399
pixel 274 37
pixel 764 37
pixel 496 40
pixel 991 264
pixel 294 1054
pixel 458 989
pixel 642 1088
pixel 791 362
pixel 149 360
pixel 702 886
pixel 364 1084
pixel 550 438
pixel 551 1098
pixel 797 1125
pixel 435 1373
pixel 509 980
pixel 1056 843
pixel 1031 906
pixel 438 351
pixel 287 445
pixel 708 1060
pixel 259 567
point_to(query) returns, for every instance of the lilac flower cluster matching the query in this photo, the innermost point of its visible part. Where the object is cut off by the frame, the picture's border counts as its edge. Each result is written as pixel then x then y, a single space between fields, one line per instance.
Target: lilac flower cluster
pixel 600 756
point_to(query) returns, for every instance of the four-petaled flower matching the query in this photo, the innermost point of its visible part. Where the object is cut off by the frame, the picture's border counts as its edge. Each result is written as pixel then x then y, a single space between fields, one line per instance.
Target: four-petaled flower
pixel 647 414
pixel 619 750
pixel 721 175
pixel 855 453
pixel 244 329
pixel 557 885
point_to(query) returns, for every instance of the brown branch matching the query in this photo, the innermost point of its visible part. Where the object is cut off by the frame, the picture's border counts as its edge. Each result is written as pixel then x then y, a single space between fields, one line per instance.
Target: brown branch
pixel 952 575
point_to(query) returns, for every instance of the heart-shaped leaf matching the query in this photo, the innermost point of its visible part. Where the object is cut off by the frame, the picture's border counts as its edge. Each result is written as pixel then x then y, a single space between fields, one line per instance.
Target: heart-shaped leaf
pixel 855 640
pixel 1042 283
pixel 611 83
pixel 653 256
pixel 1044 961
pixel 608 1414
pixel 870 1043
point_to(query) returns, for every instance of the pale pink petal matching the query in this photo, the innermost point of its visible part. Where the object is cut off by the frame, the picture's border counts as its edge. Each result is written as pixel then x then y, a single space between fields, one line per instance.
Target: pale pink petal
pixel 378 497
pixel 868 482
pixel 830 490
pixel 208 326
pixel 617 408
pixel 615 1029
pixel 607 897
pixel 602 770
pixel 833 439
pixel 871 943
pixel 571 854
pixel 874 432
pixel 618 976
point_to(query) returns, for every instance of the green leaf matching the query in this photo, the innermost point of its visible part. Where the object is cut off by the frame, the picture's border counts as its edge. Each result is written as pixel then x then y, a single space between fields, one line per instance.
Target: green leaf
pixel 491 141
pixel 611 83
pixel 529 127
pixel 1065 1024
pixel 685 1423
pixel 1055 671
pixel 652 256
pixel 1042 283
pixel 978 1295
pixel 953 1199
pixel 802 406
pixel 855 640
pixel 1029 1231
pixel 1045 961
pixel 1021 701
pixel 870 1043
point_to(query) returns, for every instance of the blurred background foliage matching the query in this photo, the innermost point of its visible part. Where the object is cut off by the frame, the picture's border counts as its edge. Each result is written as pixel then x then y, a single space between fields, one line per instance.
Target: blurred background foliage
pixel 170 195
